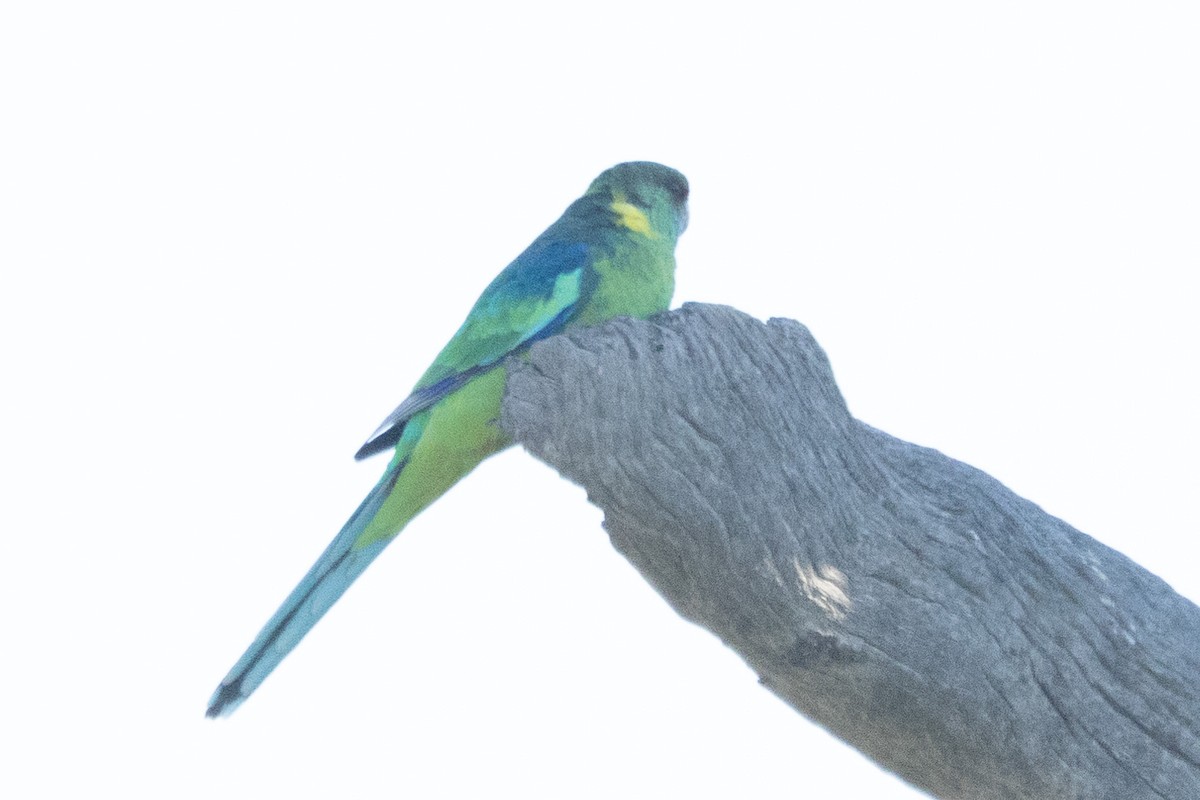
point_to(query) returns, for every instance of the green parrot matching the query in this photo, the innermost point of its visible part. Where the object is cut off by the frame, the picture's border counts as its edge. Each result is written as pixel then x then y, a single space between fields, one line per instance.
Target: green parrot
pixel 611 253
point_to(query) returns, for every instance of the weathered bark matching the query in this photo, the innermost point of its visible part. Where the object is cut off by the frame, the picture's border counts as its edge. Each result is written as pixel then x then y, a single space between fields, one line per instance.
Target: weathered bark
pixel 909 603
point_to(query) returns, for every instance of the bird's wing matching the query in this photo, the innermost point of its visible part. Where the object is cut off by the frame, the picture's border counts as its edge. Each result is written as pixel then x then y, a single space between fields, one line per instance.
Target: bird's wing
pixel 534 297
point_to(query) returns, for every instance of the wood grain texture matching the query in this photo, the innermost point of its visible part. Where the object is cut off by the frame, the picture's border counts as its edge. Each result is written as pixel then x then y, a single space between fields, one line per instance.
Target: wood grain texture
pixel 909 603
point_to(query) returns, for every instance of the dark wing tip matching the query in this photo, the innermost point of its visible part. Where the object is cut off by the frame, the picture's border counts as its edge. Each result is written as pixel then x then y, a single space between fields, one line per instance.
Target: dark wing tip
pixel 384 440
pixel 387 435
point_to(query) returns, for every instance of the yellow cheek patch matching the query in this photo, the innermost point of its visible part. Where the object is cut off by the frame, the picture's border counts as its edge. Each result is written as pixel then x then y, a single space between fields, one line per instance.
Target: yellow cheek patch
pixel 632 217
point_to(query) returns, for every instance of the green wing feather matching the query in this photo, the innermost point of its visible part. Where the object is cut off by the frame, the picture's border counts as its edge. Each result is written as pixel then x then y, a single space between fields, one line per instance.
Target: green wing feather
pixel 532 298
pixel 611 253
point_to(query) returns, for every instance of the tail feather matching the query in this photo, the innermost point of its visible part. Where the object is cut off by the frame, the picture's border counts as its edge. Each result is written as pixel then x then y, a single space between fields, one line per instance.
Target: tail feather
pixel 335 570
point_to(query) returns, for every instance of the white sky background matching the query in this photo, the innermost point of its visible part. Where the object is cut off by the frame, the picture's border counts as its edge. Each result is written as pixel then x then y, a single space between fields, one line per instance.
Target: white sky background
pixel 233 235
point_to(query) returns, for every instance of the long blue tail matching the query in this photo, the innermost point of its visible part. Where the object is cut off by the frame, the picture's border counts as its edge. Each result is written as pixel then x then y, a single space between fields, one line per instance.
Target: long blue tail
pixel 328 579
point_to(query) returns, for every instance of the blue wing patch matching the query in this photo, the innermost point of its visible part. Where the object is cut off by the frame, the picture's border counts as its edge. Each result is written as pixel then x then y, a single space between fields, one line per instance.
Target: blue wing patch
pixel 535 273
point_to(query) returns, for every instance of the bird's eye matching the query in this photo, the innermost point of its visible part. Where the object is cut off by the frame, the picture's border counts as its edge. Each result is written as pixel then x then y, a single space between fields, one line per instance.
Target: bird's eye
pixel 678 190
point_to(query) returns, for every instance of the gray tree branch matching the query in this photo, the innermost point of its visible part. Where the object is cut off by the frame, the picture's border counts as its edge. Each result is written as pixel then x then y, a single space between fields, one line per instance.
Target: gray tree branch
pixel 912 605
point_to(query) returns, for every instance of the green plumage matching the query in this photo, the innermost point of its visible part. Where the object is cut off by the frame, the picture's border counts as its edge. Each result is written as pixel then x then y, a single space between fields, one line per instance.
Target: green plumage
pixel 612 253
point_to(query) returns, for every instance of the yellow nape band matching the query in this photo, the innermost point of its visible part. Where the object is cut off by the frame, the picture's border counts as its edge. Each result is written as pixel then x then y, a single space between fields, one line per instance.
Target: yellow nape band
pixel 632 217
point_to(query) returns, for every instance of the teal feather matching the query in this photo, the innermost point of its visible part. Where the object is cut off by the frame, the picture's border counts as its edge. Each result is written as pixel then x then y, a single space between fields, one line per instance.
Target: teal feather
pixel 611 253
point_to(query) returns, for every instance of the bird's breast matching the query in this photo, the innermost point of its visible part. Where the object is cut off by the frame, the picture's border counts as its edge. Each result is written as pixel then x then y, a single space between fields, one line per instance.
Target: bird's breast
pixel 632 282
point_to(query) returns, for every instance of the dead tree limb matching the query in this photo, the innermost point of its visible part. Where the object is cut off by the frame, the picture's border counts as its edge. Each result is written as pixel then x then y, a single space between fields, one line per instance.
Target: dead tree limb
pixel 909 603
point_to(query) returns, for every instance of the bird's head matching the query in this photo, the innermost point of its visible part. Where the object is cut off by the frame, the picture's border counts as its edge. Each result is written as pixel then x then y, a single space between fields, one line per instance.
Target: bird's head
pixel 646 197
